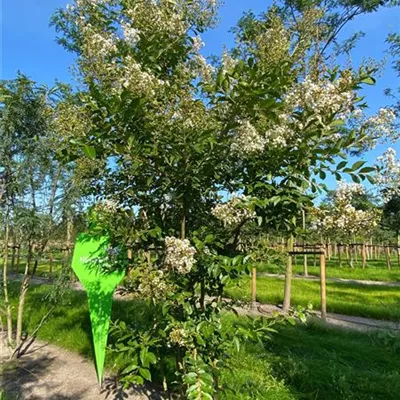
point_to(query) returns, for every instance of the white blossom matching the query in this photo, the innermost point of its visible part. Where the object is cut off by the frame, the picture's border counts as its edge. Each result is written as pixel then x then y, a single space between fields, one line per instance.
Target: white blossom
pixel 381 125
pixel 198 44
pixel 233 212
pixel 179 255
pixel 388 175
pixel 179 336
pixel 131 34
pixel 321 97
pixel 346 192
pixel 246 139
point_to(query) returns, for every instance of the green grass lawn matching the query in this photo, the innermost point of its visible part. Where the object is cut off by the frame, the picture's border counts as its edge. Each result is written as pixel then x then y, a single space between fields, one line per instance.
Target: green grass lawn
pixel 378 302
pixel 300 362
pixel 376 269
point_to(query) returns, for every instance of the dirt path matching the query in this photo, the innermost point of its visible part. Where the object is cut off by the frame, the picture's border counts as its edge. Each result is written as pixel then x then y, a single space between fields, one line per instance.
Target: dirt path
pixel 49 372
pixel 340 280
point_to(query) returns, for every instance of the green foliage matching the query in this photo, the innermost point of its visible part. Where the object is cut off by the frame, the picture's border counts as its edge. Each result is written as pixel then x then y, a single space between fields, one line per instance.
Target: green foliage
pixel 163 127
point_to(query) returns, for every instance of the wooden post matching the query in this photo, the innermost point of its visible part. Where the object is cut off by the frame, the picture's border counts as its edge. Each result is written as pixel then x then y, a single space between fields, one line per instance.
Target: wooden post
pixel 387 254
pixel 323 284
pixel 305 266
pixel 288 277
pixel 254 287
pixel 364 255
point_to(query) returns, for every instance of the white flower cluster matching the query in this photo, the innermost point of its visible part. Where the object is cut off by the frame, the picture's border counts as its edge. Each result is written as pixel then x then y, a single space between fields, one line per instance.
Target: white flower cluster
pixel 179 255
pixel 381 125
pixel 153 285
pixel 98 46
pixel 247 140
pixel 205 69
pixel 179 336
pixel 228 62
pixel 344 217
pixel 388 176
pixel 346 191
pixel 106 206
pixel 131 34
pixel 350 221
pixel 323 97
pixel 137 80
pixel 198 44
pixel 234 211
pixel 279 136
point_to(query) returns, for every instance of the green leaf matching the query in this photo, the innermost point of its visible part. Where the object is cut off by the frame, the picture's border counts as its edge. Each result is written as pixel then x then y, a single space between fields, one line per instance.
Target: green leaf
pixel 367 170
pixel 89 151
pixel 145 373
pixel 357 165
pixel 129 369
pixel 369 80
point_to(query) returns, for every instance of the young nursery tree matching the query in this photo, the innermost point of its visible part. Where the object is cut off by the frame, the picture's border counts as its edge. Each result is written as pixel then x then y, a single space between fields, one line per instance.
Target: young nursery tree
pixel 177 135
pixel 35 185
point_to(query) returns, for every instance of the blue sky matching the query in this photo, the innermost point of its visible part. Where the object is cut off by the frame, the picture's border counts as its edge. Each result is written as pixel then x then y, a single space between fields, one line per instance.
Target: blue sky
pixel 28 44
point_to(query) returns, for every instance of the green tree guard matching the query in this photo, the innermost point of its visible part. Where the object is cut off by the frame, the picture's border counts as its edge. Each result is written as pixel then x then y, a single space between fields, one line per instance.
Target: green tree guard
pixel 100 285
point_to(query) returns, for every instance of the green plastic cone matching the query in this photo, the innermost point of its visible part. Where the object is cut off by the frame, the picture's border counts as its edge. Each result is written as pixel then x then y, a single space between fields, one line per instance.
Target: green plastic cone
pixel 100 287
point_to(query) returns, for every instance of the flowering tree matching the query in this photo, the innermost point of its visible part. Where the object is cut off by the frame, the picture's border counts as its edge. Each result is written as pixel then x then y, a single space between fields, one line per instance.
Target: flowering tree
pixel 173 133
pixel 343 219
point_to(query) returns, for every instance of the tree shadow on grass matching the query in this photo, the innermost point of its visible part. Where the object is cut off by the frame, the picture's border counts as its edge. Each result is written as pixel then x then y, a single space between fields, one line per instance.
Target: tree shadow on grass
pixel 326 363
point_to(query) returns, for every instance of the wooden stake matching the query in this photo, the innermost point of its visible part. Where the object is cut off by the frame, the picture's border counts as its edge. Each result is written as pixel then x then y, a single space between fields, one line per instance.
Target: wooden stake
pixel 288 278
pixel 387 253
pixel 323 285
pixel 364 255
pixel 254 287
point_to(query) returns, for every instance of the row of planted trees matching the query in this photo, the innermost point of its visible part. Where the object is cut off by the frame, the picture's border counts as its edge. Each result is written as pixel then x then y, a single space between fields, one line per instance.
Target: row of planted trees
pixel 186 159
pixel 40 195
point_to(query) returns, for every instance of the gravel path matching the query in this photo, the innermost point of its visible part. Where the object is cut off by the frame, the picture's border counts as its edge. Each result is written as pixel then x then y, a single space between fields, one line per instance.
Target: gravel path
pixel 340 280
pixel 336 320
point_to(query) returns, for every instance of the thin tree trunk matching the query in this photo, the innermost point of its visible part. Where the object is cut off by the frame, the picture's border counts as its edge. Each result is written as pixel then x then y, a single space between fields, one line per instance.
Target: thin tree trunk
pixel 5 285
pixel 18 257
pixel 22 296
pixel 288 277
pixel 398 249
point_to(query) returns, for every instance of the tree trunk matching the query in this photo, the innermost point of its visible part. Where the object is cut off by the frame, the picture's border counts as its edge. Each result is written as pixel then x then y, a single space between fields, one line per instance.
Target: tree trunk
pixel 398 249
pixel 18 257
pixel 288 277
pixel 5 285
pixel 22 295
pixel 339 248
